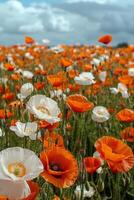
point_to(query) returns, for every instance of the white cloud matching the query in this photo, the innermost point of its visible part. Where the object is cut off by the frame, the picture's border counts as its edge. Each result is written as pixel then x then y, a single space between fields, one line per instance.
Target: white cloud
pixel 16 18
pixel 94 1
pixel 1 30
pixel 71 21
pixel 32 28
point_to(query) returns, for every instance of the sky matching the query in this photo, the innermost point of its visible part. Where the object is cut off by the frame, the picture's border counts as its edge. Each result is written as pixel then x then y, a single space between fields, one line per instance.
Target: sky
pixel 66 21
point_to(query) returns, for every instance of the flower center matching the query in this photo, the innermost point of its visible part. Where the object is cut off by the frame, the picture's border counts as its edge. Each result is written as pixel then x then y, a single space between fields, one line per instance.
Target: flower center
pixel 121 90
pixel 55 167
pixel 18 169
pixel 100 113
pixel 44 110
pixel 86 78
pixel 29 131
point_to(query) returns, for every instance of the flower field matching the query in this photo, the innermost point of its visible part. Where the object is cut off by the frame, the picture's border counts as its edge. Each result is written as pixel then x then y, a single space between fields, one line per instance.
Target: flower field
pixel 66 122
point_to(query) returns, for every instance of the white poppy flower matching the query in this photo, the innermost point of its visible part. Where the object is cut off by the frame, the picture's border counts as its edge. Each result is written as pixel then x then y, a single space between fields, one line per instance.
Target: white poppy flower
pixel 85 78
pixel 46 41
pixel 44 108
pixel 3 80
pixel 41 66
pixel 131 71
pixel 22 48
pixel 27 74
pixel 57 93
pixel 96 61
pixel 18 164
pixel 121 88
pixel 29 56
pixel 25 91
pixel 99 170
pixel 102 76
pixel 57 49
pixel 114 90
pixel 100 114
pixel 86 193
pixel 2 133
pixel 14 190
pixel 25 129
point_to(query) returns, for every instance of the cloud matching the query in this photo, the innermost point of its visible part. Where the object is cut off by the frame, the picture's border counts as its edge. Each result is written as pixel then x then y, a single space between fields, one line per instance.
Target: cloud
pixel 72 21
pixel 110 17
pixel 42 19
pixel 97 1
pixel 32 28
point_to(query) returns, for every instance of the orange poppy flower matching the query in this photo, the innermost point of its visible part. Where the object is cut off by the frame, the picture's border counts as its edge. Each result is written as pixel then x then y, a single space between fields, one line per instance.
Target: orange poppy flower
pixel 125 115
pixel 5 114
pixel 9 67
pixel 72 73
pixel 29 40
pixel 8 96
pixel 1 89
pixel 117 154
pixel 39 85
pixel 41 72
pixel 79 103
pixel 3 197
pixel 47 125
pixel 127 80
pixel 74 87
pixel 2 58
pixel 87 67
pixel 128 134
pixel 65 62
pixel 91 164
pixel 52 139
pixel 105 39
pixel 56 80
pixel 56 197
pixel 60 167
pixel 15 77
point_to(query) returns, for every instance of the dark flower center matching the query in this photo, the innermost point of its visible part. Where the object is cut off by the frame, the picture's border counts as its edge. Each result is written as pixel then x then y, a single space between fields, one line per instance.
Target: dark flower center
pixel 55 167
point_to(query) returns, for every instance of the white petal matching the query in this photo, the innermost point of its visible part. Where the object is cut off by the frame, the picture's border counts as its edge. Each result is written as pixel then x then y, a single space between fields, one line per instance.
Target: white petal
pixel 14 189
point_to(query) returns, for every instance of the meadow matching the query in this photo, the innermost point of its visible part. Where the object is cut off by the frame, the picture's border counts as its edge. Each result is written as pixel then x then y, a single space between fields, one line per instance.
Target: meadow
pixel 66 121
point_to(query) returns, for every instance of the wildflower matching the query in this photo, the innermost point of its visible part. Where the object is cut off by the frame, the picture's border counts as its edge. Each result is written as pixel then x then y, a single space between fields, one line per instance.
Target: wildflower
pixel 52 139
pixel 16 164
pixel 125 115
pixel 131 72
pixel 100 114
pixel 60 167
pixel 121 88
pixel 44 108
pixel 27 74
pixel 105 39
pixel 117 154
pixel 128 134
pixel 85 78
pixel 79 103
pixel 25 91
pixel 29 40
pixel 25 129
pixel 86 193
pixel 91 164
pixel 102 76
